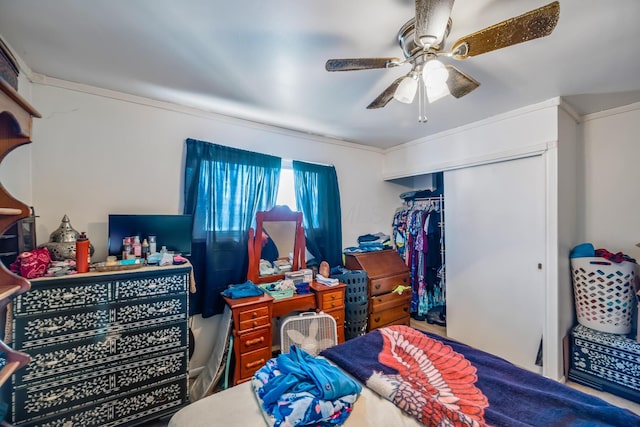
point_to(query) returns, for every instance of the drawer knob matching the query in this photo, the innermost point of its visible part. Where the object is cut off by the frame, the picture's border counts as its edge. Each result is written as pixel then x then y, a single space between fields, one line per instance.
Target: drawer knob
pixel 255 363
pixel 377 286
pixel 54 397
pixel 48 364
pixel 254 315
pixel 377 319
pixel 254 341
pixel 68 324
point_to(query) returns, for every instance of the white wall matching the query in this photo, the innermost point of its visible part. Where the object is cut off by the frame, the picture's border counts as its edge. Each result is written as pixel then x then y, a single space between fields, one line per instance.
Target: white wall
pixel 612 178
pixel 97 152
pixel 511 135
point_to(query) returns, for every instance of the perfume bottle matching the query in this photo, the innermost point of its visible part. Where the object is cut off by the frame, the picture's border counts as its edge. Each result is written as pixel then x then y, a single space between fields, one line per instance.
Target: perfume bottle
pixel 152 244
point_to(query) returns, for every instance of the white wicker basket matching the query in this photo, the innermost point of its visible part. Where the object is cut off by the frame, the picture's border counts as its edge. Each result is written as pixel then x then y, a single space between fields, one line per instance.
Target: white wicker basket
pixel 604 294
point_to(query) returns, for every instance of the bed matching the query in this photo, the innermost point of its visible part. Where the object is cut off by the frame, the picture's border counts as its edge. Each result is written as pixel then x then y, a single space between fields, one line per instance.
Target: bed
pixel 411 377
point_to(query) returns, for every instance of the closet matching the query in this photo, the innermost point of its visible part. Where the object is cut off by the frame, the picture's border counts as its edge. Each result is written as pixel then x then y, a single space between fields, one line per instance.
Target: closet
pixel 496 258
pixel 418 235
pixel 513 186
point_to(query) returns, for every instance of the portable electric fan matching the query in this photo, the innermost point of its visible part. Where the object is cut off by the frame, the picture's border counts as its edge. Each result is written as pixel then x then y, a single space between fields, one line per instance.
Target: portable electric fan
pixel 312 332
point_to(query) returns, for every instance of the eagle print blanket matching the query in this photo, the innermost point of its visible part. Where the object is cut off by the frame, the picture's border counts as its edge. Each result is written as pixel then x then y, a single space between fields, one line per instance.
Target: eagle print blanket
pixel 444 383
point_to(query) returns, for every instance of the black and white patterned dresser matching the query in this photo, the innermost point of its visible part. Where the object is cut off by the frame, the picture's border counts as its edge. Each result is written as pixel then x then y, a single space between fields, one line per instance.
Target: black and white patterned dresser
pixel 107 349
pixel 606 362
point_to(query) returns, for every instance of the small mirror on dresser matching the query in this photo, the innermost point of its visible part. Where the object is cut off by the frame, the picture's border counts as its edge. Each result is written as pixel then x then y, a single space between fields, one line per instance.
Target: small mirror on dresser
pixel 276 246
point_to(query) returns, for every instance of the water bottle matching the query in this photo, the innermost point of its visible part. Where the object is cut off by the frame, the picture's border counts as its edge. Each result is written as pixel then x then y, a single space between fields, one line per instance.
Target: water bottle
pixel 82 253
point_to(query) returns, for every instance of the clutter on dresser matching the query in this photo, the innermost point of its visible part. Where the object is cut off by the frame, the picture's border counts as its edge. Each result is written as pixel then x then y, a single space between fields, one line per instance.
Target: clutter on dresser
pixel 62 242
pixel 83 257
pixel 31 264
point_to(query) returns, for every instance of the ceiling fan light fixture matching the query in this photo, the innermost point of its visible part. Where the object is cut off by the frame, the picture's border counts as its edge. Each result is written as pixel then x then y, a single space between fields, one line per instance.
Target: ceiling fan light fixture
pixel 435 76
pixel 406 90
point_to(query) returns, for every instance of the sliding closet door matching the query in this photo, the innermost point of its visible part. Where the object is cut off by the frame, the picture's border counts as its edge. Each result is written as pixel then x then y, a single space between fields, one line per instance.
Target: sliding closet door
pixel 495 238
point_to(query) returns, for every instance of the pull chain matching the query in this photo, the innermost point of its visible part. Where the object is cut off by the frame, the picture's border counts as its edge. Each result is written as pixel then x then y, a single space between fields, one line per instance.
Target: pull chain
pixel 422 100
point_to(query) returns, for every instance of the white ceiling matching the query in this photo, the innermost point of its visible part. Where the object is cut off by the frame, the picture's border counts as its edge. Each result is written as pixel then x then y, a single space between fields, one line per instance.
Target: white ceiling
pixel 264 60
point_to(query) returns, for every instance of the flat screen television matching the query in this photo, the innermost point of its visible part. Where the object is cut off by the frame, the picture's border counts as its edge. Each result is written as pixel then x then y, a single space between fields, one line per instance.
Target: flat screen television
pixel 172 231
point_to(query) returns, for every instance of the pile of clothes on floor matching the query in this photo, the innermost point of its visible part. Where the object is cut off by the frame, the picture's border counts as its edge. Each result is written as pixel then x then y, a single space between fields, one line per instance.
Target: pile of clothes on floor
pixel 297 388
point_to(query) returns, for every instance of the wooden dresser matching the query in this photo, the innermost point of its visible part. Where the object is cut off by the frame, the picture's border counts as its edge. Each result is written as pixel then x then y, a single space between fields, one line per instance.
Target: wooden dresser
pixel 253 318
pixel 385 272
pixel 107 349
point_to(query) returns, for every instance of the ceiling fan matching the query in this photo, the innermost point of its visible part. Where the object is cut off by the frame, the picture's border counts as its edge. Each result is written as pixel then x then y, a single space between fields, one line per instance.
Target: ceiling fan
pixel 422 40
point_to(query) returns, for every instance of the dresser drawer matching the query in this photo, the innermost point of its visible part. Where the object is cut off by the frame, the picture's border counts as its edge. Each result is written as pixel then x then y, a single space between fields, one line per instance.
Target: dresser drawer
pixel 385 317
pixel 76 291
pixel 253 317
pixel 67 358
pixel 255 340
pixel 153 285
pixel 37 330
pixel 390 300
pixel 387 284
pixel 40 399
pixel 406 321
pixel 333 299
pixel 251 362
pixel 42 298
pixel 163 399
pixel 337 314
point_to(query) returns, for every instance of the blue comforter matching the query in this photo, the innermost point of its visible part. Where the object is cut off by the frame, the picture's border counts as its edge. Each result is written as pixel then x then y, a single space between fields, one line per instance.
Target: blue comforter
pixel 442 382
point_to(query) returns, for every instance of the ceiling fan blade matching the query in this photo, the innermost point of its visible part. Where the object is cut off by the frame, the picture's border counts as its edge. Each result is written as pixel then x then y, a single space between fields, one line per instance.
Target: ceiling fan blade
pixel 459 83
pixel 432 18
pixel 531 25
pixel 350 64
pixel 386 96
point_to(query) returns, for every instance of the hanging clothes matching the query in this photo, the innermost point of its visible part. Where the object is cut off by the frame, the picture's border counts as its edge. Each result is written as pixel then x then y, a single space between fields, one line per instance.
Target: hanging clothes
pixel 417 233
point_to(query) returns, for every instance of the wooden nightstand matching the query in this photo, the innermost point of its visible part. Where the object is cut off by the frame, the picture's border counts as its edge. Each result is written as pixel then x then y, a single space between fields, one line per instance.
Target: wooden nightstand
pixel 253 323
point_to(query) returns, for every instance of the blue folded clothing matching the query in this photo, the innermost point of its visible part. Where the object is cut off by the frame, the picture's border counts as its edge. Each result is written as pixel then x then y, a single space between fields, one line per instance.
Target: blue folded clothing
pixel 242 290
pixel 583 250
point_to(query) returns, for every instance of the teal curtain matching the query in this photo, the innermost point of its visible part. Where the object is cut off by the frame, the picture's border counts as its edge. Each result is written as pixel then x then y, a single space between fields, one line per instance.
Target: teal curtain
pixel 224 187
pixel 318 197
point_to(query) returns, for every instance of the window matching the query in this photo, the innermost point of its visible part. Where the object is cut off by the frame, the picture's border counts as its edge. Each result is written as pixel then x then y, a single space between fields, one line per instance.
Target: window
pixel 286 189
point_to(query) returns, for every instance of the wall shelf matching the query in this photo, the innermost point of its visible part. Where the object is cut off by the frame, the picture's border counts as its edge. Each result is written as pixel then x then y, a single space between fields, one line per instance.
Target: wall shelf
pixel 15 130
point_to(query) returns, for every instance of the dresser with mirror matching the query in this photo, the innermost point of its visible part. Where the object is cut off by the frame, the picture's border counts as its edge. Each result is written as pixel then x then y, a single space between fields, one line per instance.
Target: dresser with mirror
pixel 255 318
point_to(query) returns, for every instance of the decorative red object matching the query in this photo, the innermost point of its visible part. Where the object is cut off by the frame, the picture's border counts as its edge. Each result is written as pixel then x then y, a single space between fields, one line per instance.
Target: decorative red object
pixel 32 264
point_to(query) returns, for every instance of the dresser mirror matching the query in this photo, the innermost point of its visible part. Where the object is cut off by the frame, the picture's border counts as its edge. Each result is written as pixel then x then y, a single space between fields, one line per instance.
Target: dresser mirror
pixel 276 246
